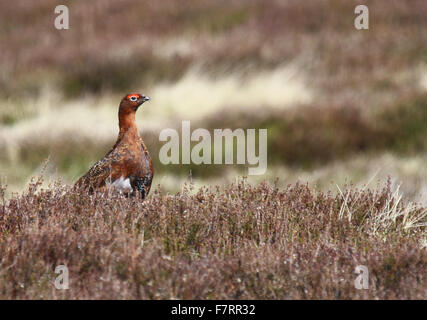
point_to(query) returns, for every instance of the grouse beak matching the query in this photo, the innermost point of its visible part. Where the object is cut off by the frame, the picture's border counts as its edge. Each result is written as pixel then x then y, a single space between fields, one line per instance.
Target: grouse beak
pixel 146 98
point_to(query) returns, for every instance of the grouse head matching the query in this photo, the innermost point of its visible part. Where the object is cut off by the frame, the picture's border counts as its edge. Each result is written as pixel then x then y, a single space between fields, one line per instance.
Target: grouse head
pixel 131 102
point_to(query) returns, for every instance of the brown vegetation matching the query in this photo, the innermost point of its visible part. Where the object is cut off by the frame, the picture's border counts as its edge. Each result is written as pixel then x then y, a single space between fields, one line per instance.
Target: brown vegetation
pixel 94 56
pixel 244 242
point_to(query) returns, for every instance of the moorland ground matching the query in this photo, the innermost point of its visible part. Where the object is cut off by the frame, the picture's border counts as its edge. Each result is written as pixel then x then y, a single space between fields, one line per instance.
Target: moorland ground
pixel 243 242
pixel 345 110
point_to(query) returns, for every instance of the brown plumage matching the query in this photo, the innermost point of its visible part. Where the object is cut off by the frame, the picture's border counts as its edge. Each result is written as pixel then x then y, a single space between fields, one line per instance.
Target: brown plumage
pixel 127 166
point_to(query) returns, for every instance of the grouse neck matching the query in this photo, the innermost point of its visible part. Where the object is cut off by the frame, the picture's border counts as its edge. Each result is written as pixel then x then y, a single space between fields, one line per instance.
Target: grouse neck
pixel 127 125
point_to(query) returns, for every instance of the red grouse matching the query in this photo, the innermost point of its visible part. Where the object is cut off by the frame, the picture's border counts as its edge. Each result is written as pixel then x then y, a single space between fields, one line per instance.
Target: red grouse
pixel 128 166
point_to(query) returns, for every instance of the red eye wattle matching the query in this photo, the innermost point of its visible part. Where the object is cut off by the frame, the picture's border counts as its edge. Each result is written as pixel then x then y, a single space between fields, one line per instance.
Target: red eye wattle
pixel 133 97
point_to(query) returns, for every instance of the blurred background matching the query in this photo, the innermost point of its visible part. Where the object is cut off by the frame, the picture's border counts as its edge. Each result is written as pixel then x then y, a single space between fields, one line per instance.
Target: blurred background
pixel 340 105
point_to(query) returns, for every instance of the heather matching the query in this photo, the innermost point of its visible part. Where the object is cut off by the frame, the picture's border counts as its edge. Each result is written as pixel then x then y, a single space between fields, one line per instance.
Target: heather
pixel 238 242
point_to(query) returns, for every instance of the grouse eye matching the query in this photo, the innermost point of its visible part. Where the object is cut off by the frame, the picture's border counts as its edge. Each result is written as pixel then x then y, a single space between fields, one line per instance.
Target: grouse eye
pixel 133 98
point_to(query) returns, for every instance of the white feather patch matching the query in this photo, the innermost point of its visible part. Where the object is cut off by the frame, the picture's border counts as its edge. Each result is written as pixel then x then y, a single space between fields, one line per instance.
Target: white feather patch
pixel 122 184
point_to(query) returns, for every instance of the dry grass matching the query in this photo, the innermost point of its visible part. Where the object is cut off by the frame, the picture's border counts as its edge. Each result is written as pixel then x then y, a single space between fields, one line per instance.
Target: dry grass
pixel 325 91
pixel 409 174
pixel 302 139
pixel 245 242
